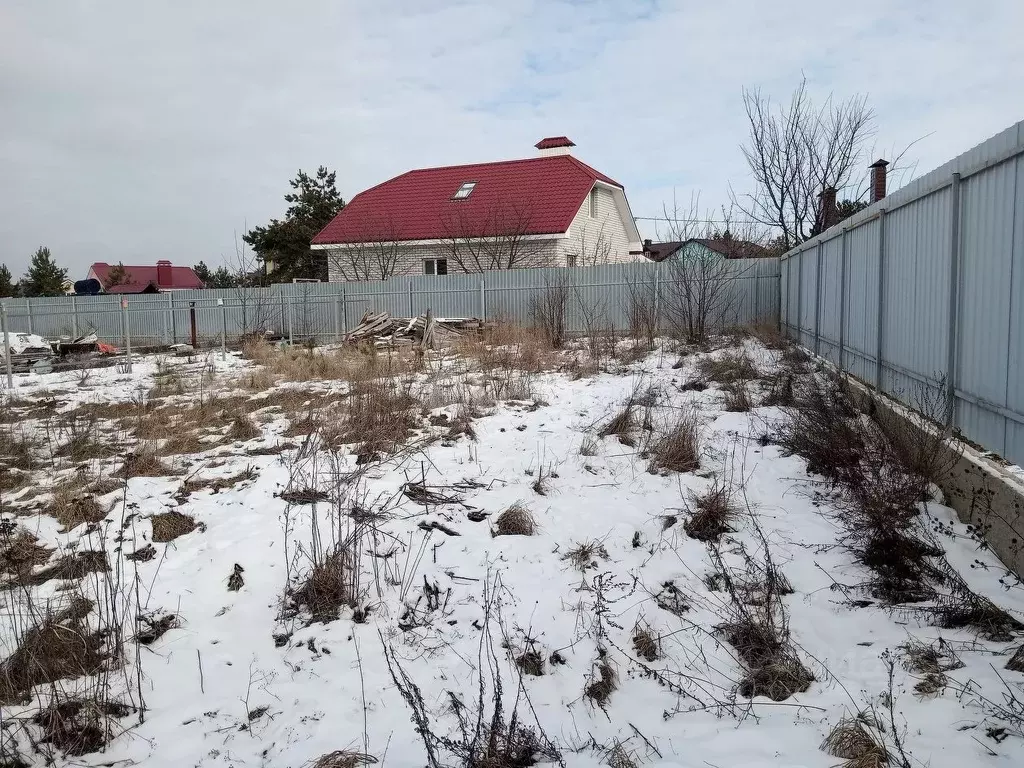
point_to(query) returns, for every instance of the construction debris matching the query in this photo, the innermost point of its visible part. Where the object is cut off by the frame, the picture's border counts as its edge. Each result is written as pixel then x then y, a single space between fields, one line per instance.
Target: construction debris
pixel 425 331
pixel 28 352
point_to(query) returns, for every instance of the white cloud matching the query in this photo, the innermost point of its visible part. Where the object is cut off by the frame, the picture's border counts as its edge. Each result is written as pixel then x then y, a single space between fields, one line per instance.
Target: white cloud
pixel 143 131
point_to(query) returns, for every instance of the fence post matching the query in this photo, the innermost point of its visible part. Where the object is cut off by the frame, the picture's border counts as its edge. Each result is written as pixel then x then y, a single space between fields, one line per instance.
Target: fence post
pixel 74 317
pixel 483 298
pixel 284 313
pixel 799 294
pixel 28 307
pixel 757 299
pixel 163 315
pixel 817 302
pixel 954 300
pixel 881 298
pixel 291 323
pixel 657 296
pixel 7 347
pixel 411 315
pixel 842 300
pixel 174 319
pixel 127 333
pixel 344 309
pixel 337 316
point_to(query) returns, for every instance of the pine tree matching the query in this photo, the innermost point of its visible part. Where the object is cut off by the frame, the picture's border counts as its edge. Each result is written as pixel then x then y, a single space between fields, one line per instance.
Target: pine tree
pixel 312 205
pixel 44 277
pixel 218 278
pixel 6 282
pixel 117 275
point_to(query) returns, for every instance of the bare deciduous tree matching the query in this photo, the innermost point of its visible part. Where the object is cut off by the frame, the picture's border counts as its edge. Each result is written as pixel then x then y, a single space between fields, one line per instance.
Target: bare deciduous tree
pixel 700 294
pixel 796 151
pixel 374 258
pixel 501 240
pixel 549 310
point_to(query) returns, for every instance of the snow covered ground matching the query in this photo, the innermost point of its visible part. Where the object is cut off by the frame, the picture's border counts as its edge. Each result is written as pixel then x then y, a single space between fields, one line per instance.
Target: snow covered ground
pixel 246 678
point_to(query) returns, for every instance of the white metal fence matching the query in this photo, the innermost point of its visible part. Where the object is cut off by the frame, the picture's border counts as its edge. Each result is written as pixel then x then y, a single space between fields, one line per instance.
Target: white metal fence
pixel 924 291
pixel 326 310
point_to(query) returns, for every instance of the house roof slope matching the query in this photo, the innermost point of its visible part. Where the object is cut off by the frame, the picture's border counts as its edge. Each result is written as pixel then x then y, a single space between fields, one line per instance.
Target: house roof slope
pixel 142 276
pixel 545 193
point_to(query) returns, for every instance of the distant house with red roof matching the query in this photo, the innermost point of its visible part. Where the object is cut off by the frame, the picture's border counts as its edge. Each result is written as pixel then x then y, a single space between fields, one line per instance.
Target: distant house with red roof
pixel 546 211
pixel 158 278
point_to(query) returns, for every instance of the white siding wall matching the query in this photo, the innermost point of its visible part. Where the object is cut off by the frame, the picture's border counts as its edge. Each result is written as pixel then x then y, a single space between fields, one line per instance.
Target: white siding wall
pixel 543 253
pixel 596 241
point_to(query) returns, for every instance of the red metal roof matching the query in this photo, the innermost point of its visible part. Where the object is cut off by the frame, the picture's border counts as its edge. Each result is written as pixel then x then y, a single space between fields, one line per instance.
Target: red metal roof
pixel 418 205
pixel 555 141
pixel 142 276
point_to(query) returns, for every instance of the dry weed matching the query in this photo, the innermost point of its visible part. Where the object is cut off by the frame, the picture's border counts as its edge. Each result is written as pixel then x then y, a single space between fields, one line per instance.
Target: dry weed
pixel 66 567
pixel 243 428
pixel 78 726
pixel 711 512
pixel 737 399
pixel 772 668
pixel 328 586
pixel 73 505
pixel 584 554
pixel 517 520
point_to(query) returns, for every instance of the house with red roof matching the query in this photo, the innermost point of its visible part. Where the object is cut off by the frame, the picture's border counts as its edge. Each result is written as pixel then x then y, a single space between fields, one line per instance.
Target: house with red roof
pixel 551 210
pixel 148 278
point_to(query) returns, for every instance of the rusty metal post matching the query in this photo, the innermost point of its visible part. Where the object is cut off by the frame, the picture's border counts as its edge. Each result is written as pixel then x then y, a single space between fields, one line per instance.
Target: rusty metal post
pixel 192 324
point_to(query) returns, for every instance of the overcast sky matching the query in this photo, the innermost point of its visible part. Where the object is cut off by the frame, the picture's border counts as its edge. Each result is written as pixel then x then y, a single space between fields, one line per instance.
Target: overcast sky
pixel 134 131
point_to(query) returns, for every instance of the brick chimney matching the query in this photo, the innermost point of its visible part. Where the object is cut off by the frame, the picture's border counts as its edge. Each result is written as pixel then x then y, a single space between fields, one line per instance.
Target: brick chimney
pixel 828 214
pixel 163 273
pixel 878 180
pixel 554 145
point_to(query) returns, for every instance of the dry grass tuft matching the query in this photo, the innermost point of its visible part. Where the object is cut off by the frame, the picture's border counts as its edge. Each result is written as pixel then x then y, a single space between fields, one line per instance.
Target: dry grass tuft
pixel 379 418
pixel 737 399
pixel 584 554
pixel 153 626
pixel 589 446
pixel 143 463
pixel 619 757
pixel 604 682
pixel 344 759
pixel 143 555
pixel 16 449
pixel 851 741
pixel 1016 662
pixel 168 526
pixel 244 428
pixel 680 448
pixel 184 442
pixel 59 647
pixel 772 668
pixel 78 726
pixel 531 663
pixel 711 512
pixel 517 520
pixel 727 368
pixel 72 506
pixel 769 334
pixel 67 567
pixel 328 586
pixel 646 644
pixel 22 552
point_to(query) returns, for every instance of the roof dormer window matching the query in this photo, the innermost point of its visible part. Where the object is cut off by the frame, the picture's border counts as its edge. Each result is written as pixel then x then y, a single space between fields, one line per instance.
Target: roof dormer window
pixel 464 191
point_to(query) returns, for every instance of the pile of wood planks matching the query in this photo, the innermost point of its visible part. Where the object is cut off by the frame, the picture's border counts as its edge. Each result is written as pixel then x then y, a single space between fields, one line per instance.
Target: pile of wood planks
pixel 425 331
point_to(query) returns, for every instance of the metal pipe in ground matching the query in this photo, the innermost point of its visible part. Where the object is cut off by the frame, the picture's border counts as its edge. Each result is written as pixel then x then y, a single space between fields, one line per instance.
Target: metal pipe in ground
pixel 127 334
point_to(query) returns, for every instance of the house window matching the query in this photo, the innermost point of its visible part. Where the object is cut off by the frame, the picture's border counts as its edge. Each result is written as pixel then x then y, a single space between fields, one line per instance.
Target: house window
pixel 593 203
pixel 572 260
pixel 464 191
pixel 435 266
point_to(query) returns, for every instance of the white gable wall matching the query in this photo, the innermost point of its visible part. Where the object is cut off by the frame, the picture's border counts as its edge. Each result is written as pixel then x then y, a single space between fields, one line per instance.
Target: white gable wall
pixel 603 239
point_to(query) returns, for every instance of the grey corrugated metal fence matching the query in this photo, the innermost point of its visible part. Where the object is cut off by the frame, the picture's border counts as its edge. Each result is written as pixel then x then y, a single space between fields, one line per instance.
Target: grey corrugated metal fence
pixel 597 295
pixel 923 292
